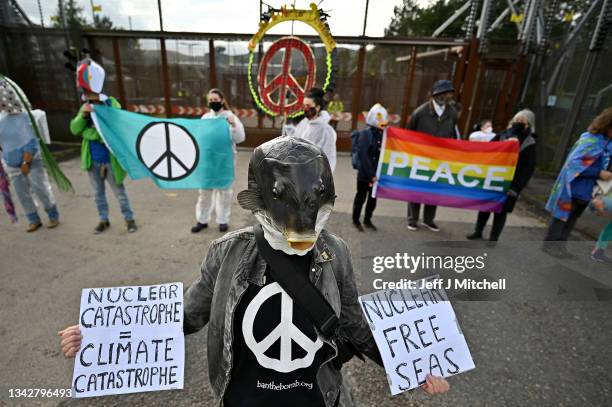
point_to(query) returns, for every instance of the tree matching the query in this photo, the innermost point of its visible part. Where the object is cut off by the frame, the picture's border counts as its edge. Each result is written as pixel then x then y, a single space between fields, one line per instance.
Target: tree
pixel 75 17
pixel 410 19
pixel 72 13
pixel 103 22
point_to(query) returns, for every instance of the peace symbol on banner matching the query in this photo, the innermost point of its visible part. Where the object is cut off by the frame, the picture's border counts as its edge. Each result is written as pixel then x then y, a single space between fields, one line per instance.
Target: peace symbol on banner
pixel 285 331
pixel 168 150
pixel 283 94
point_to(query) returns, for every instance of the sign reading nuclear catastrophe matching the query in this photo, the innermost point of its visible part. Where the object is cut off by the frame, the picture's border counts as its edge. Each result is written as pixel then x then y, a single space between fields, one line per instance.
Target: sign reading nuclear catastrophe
pixel 132 340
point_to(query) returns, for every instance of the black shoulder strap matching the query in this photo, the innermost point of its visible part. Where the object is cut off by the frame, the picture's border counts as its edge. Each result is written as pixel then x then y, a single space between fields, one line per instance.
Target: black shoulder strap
pixel 299 287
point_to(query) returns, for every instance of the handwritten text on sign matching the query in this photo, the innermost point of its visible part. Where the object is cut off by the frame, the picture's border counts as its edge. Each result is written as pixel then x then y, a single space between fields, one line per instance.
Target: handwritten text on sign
pixel 132 340
pixel 417 334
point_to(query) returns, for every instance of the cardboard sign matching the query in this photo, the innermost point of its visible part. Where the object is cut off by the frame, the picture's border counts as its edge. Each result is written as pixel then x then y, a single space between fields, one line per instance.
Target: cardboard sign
pixel 417 333
pixel 132 340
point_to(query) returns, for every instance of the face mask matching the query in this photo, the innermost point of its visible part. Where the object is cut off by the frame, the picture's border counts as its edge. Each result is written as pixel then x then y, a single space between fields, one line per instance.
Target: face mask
pixel 440 100
pixel 216 106
pixel 488 129
pixel 310 112
pixel 518 127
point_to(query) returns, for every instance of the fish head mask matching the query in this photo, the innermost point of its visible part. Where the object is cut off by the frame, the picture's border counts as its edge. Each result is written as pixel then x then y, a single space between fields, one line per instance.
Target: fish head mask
pixel 290 192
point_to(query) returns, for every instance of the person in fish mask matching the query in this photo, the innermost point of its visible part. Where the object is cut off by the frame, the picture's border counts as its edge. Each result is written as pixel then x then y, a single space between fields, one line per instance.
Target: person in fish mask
pixel 369 141
pixel 21 152
pixel 218 200
pixel 291 193
pixel 99 162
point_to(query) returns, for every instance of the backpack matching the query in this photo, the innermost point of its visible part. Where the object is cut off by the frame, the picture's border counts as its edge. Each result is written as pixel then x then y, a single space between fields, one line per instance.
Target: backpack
pixel 355 146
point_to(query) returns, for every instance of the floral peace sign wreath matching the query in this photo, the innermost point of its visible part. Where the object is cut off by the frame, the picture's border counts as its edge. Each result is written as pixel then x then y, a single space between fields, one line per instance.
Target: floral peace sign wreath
pixel 316 19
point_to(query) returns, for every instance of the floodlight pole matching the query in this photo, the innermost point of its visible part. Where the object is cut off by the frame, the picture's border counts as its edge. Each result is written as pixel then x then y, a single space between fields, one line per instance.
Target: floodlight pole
pixel 161 20
pixel 365 18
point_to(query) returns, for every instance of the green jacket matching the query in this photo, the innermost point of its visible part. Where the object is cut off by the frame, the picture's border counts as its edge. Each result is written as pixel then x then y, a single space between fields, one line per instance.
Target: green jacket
pixel 80 127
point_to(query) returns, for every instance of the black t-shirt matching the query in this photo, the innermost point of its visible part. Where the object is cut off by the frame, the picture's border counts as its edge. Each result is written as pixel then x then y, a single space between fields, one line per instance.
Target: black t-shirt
pixel 276 351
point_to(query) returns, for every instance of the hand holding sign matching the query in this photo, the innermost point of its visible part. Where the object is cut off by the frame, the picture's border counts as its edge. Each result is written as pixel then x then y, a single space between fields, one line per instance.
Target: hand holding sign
pixel 418 337
pixel 71 340
pixel 435 385
pixel 129 339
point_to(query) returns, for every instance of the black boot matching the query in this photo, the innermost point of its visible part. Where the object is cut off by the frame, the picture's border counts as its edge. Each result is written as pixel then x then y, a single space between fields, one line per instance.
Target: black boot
pixel 102 226
pixel 198 227
pixel 476 235
pixel 368 224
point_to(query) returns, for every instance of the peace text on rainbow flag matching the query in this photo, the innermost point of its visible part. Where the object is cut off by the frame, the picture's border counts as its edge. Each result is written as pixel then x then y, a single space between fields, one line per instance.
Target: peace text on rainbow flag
pixel 420 168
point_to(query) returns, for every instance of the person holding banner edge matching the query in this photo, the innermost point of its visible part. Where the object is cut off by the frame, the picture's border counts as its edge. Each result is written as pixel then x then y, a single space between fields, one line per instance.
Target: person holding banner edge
pixel 521 128
pixel 99 162
pixel 218 200
pixel 288 251
pixel 365 155
pixel 438 118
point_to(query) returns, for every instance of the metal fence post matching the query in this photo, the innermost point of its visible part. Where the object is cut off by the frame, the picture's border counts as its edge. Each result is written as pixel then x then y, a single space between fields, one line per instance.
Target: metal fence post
pixel 357 86
pixel 119 72
pixel 408 88
pixel 469 83
pixel 165 77
pixel 212 63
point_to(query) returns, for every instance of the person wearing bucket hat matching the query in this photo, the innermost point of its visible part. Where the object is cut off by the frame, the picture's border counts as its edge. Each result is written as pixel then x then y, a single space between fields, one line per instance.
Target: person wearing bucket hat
pixel 441 87
pixel 437 117
pixel 99 162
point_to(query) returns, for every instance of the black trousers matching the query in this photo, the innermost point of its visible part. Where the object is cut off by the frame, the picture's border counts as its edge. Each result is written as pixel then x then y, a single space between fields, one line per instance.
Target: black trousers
pixel 499 221
pixel 414 210
pixel 364 192
pixel 559 230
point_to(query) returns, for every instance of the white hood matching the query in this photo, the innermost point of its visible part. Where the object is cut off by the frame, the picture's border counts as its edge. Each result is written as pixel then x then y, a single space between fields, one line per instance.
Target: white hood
pixel 319 132
pixel 377 116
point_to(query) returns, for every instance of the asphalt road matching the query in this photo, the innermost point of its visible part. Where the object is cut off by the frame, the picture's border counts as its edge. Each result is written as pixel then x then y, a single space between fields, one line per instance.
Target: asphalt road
pixel 545 341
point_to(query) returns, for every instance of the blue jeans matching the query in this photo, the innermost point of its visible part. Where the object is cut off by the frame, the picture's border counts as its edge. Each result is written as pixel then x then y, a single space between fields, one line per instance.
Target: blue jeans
pixel 97 183
pixel 35 183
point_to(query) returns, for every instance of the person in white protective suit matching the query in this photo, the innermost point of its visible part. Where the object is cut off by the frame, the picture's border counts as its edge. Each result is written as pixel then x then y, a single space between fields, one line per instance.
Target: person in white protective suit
pixel 218 201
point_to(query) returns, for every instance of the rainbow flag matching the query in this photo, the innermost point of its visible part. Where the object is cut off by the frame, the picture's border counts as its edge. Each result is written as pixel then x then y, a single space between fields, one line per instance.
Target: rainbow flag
pixel 417 167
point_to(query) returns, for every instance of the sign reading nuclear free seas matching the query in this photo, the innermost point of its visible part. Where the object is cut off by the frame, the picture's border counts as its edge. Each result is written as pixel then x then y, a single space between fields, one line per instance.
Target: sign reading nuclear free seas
pixel 132 340
pixel 417 333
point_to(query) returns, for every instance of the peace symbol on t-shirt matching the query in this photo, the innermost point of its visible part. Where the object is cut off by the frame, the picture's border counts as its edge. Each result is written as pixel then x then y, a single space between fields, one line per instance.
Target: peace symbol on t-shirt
pixel 285 331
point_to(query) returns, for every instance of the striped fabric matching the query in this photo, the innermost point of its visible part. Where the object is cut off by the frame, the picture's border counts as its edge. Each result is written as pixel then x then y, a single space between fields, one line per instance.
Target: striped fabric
pixel 417 167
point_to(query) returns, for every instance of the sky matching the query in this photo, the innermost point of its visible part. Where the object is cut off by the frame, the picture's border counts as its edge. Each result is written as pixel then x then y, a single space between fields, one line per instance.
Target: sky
pixel 220 16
